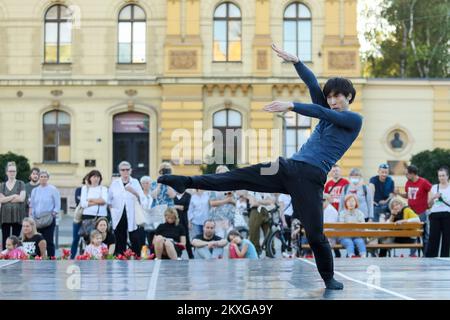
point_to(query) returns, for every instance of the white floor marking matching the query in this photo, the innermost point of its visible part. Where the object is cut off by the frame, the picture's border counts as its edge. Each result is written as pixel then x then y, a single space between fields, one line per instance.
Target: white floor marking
pixel 364 283
pixel 8 263
pixel 153 281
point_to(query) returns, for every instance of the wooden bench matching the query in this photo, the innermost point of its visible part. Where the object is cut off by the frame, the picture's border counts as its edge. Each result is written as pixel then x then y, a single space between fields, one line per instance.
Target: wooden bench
pixel 375 230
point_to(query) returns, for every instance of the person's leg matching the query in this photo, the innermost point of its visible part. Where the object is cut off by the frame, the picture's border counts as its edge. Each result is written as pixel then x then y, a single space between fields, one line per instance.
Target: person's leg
pixel 16 229
pixel 158 246
pixel 305 185
pixel 170 250
pixel 136 241
pixel 445 246
pixel 6 230
pixel 49 234
pixel 254 224
pixel 217 253
pixel 361 245
pixel 121 234
pixel 424 217
pixel 265 224
pixel 253 178
pixel 435 236
pixel 203 253
pixel 347 243
pixel 376 213
pixel 75 240
pixel 287 234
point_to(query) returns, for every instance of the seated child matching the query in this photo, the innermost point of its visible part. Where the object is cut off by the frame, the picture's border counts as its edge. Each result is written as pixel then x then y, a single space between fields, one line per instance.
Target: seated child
pixel 96 248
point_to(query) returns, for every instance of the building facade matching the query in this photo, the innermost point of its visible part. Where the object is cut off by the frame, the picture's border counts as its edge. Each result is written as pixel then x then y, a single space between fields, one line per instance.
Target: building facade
pixel 86 84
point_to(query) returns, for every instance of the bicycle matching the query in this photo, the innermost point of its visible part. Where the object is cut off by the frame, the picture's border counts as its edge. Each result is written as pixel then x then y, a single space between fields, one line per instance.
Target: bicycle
pixel 276 239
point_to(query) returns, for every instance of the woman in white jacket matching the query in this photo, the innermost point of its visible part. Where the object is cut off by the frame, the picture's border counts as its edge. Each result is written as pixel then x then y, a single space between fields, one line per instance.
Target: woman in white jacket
pixel 122 197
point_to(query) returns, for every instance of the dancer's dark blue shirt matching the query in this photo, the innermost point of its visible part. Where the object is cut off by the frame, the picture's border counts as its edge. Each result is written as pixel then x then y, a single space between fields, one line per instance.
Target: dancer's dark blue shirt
pixel 335 132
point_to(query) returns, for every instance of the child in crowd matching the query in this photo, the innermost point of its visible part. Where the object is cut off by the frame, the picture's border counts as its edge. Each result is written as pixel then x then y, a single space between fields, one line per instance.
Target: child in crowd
pixel 240 248
pixel 351 214
pixel 96 248
pixel 13 249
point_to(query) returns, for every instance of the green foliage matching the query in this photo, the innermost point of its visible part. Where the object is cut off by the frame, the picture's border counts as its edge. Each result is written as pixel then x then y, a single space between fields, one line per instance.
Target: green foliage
pixel 418 47
pixel 23 166
pixel 211 167
pixel 429 162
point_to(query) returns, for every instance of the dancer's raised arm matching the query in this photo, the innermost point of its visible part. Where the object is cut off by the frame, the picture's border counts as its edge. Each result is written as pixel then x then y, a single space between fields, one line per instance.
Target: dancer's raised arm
pixel 306 75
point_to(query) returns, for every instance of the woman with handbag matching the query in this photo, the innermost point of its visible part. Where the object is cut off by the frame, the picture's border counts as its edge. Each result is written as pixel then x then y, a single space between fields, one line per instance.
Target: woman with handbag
pixel 77 220
pixel 12 204
pixel 124 195
pixel 45 204
pixel 93 200
pixel 439 200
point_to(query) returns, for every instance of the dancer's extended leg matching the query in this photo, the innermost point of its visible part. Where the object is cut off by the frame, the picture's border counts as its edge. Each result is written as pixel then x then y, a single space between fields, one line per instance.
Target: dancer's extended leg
pixel 250 178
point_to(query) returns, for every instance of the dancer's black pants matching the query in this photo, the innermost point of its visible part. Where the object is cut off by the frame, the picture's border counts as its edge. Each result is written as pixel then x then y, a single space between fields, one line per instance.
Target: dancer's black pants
pixel 304 182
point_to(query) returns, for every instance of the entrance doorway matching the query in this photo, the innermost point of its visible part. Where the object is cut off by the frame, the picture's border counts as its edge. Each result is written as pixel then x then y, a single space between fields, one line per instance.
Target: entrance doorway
pixel 131 142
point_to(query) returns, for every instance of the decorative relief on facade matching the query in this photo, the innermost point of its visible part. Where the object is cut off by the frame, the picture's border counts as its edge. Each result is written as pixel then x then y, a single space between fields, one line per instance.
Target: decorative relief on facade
pixel 261 63
pixel 290 88
pixel 342 60
pixel 182 59
pixel 222 87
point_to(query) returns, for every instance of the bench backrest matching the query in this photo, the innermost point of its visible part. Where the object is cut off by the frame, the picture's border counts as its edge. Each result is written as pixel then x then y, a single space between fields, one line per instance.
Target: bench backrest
pixel 373 229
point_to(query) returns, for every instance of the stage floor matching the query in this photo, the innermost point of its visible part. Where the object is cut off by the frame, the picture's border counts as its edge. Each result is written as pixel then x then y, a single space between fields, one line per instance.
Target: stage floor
pixel 364 279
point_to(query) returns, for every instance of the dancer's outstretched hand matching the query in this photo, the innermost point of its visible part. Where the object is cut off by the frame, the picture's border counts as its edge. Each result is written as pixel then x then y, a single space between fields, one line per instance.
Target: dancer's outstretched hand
pixel 279 106
pixel 288 57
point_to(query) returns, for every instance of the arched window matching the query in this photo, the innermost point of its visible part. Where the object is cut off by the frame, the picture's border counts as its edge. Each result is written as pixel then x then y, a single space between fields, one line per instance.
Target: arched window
pixel 56 136
pixel 132 35
pixel 58 35
pixel 227 33
pixel 297 129
pixel 297 31
pixel 229 123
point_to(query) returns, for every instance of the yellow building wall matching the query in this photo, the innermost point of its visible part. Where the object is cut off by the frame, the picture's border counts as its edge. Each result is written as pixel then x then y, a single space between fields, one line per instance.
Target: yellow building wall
pixel 180 84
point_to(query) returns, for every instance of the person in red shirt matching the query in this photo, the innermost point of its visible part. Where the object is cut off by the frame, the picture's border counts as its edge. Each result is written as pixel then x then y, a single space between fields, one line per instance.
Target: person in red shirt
pixel 335 186
pixel 416 190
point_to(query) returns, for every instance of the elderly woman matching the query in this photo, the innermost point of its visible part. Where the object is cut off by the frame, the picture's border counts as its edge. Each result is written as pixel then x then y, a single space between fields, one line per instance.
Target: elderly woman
pixel 12 203
pixel 363 194
pixel 46 201
pixel 170 237
pixel 123 195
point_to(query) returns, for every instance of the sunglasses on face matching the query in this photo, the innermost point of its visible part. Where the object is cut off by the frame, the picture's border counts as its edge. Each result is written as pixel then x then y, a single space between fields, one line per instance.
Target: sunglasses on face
pixel 128 169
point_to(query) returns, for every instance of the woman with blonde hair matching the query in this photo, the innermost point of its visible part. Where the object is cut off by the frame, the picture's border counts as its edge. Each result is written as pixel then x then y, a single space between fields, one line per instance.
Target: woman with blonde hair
pixel 33 242
pixel 400 213
pixel 170 237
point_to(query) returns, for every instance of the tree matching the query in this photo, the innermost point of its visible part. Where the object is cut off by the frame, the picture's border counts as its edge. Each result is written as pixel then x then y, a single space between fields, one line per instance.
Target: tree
pixel 418 46
pixel 211 167
pixel 23 166
pixel 429 162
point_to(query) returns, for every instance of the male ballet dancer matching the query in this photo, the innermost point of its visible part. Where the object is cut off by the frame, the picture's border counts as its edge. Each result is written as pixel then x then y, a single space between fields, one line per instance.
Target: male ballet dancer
pixel 302 176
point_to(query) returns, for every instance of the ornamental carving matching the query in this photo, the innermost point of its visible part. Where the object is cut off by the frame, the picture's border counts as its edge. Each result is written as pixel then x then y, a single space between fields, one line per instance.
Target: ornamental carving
pixel 342 60
pixel 182 59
